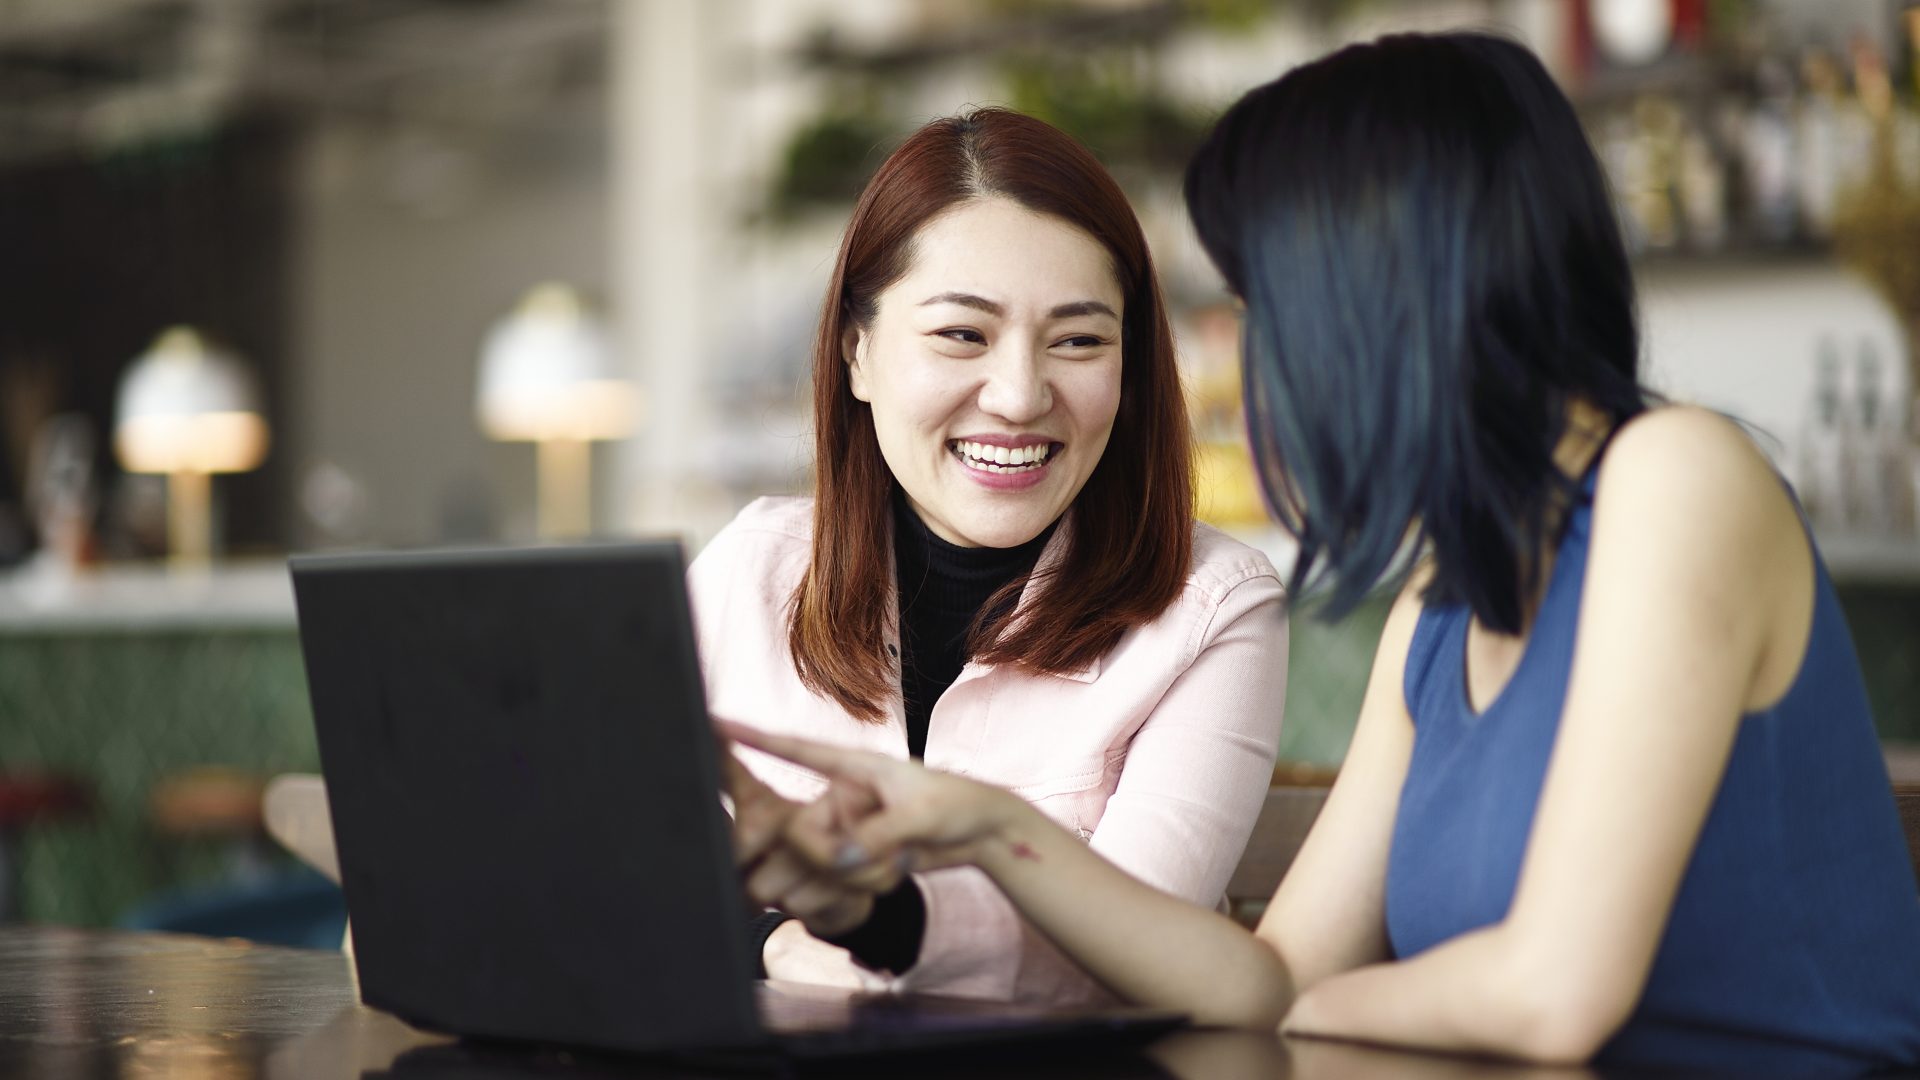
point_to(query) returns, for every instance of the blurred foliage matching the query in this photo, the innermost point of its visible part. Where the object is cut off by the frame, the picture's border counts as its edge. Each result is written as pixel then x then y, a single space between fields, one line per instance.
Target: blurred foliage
pixel 1242 14
pixel 1727 16
pixel 1222 14
pixel 828 160
pixel 1092 73
pixel 175 156
pixel 1876 231
pixel 1111 102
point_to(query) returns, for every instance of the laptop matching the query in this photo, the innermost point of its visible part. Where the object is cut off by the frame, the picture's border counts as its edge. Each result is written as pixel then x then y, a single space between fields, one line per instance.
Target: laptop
pixel 525 799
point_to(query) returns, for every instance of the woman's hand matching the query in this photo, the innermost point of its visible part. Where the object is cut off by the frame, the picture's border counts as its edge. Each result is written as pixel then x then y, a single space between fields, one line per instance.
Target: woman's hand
pixel 1143 944
pixel 883 817
pixel 777 875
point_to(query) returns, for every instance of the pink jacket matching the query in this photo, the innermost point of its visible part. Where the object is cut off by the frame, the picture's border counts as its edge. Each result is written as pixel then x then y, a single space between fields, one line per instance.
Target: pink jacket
pixel 1158 754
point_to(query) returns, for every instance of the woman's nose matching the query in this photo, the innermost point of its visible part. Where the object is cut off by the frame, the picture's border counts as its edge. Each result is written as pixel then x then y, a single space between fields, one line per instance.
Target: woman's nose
pixel 1016 388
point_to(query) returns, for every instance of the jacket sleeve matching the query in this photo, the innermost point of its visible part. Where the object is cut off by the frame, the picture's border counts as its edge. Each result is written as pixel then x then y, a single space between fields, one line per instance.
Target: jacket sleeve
pixel 1192 783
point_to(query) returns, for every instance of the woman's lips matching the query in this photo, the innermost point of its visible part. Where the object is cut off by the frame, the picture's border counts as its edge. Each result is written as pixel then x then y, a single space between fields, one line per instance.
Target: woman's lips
pixel 1002 467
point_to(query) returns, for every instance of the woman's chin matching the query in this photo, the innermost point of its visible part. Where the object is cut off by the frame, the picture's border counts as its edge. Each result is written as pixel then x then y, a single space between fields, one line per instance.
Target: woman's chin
pixel 1004 532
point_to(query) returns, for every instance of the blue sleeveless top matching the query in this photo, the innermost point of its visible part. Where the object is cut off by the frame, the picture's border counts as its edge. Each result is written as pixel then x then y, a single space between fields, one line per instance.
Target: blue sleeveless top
pixel 1794 941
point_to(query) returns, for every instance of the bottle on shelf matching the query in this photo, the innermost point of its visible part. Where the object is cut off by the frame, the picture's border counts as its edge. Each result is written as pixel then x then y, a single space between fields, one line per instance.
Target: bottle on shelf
pixel 1768 157
pixel 1910 464
pixel 1869 449
pixel 1701 180
pixel 1833 137
pixel 1822 481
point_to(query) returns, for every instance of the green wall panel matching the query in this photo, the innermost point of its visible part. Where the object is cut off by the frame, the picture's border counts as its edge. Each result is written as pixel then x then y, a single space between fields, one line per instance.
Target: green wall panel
pixel 124 710
pixel 1885 621
pixel 1327 669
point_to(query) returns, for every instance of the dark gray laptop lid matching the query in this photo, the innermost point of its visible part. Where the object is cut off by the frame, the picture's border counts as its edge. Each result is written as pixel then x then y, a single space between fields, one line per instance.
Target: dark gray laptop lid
pixel 524 794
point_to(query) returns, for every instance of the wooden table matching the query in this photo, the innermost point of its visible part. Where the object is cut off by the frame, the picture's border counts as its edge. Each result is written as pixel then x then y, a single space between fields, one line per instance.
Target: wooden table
pixel 90 1003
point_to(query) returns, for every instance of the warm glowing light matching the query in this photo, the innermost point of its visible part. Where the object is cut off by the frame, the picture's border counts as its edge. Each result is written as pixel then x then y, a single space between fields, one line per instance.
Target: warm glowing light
pixel 208 443
pixel 186 408
pixel 546 373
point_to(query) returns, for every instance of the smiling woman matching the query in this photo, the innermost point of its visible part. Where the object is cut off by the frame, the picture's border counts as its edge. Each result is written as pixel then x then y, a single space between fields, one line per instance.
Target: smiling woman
pixel 992 404
pixel 999 571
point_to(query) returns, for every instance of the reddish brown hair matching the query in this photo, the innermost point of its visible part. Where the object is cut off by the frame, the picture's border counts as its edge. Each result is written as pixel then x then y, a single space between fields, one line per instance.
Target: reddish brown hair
pixel 1132 531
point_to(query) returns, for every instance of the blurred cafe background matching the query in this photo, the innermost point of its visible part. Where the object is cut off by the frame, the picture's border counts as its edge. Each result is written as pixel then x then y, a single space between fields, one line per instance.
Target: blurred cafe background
pixel 295 275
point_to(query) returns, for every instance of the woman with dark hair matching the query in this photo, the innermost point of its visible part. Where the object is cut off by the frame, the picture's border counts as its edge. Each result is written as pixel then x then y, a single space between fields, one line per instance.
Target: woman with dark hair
pixel 999 571
pixel 1614 790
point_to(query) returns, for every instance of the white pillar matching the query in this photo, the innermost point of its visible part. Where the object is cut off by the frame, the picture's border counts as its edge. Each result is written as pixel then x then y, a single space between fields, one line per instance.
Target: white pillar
pixel 667 218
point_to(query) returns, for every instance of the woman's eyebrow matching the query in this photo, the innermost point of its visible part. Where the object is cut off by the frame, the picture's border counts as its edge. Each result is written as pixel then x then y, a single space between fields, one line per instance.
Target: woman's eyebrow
pixel 1083 307
pixel 1063 311
pixel 966 300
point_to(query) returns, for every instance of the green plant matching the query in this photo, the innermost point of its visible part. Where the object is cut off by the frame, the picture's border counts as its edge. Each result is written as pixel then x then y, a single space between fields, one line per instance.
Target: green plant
pixel 1109 101
pixel 1876 230
pixel 828 159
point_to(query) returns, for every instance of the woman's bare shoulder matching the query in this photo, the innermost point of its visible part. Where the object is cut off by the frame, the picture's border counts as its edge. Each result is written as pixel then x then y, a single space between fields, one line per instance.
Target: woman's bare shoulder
pixel 1692 455
pixel 1688 504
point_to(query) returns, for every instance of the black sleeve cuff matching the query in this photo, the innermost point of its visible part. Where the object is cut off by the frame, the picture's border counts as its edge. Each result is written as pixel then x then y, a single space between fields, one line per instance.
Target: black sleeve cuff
pixel 890 938
pixel 759 929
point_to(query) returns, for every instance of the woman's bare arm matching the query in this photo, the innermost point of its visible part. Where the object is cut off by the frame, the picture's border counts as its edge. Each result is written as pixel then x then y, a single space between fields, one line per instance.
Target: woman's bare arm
pixel 1695 587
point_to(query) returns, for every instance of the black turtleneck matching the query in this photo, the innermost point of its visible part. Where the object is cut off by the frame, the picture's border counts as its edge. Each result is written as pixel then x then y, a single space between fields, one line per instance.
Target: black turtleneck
pixel 943 588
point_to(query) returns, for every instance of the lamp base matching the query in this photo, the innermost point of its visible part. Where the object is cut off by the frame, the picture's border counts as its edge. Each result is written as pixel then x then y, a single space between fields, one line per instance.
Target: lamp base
pixel 566 495
pixel 189 521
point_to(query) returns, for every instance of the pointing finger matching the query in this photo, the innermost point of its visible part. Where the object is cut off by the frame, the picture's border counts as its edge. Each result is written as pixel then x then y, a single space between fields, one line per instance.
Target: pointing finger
pixel 821 758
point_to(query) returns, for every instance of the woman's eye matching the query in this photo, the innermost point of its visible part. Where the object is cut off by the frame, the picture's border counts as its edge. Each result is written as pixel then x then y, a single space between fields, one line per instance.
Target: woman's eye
pixel 1083 341
pixel 971 337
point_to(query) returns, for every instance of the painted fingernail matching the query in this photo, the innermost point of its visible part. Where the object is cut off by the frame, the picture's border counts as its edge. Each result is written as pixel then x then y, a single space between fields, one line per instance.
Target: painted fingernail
pixel 849 856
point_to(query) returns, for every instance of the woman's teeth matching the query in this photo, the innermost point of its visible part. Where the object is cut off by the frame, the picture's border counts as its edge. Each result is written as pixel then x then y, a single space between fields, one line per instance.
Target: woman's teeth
pixel 1002 459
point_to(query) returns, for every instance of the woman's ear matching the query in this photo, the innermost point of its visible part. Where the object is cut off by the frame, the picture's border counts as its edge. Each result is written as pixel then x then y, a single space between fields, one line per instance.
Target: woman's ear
pixel 853 351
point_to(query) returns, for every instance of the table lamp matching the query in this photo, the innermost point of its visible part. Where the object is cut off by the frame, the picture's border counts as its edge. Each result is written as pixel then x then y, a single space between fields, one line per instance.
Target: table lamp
pixel 188 411
pixel 547 377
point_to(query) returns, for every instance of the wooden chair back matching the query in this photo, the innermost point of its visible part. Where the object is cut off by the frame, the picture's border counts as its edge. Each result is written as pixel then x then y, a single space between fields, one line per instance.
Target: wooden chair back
pixel 294 810
pixel 1282 827
pixel 1907 798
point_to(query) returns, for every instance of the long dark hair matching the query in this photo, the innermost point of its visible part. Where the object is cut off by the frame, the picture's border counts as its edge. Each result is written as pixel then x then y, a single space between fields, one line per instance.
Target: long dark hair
pixel 1432 271
pixel 1132 535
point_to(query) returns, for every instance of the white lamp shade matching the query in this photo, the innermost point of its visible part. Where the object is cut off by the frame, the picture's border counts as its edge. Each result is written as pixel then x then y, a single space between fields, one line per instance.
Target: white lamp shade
pixel 1633 31
pixel 546 373
pixel 184 407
